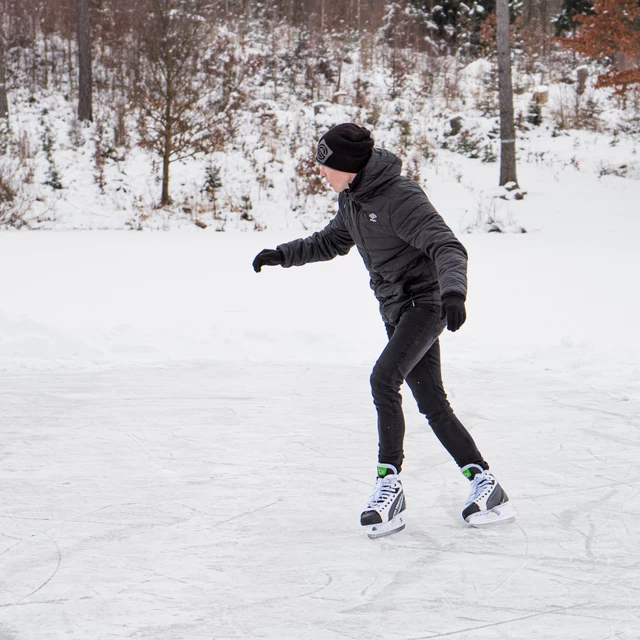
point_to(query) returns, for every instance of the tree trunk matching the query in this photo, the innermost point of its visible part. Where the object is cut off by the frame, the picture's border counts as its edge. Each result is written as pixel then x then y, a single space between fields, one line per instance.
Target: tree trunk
pixel 85 108
pixel 4 103
pixel 165 199
pixel 166 163
pixel 167 147
pixel 45 66
pixel 507 129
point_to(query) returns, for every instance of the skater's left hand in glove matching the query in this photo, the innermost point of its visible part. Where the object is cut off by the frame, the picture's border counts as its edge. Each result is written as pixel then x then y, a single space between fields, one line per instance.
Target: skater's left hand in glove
pixel 454 311
pixel 268 258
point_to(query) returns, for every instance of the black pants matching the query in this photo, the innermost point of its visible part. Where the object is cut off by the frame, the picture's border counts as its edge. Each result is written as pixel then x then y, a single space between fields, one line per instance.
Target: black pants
pixel 413 354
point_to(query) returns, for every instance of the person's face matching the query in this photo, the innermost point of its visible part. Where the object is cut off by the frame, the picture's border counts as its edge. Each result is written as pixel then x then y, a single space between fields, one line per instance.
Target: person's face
pixel 338 180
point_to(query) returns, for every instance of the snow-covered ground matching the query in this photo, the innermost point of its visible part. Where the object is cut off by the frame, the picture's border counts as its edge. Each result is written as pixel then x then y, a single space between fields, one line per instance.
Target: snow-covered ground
pixel 185 445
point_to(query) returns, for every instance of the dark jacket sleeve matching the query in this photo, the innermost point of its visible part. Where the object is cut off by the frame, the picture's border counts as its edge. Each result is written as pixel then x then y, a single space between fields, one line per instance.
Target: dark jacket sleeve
pixel 334 240
pixel 416 221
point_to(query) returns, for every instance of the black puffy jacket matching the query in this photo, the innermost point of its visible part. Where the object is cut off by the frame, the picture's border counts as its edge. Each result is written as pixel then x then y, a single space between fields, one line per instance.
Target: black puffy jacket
pixel 411 254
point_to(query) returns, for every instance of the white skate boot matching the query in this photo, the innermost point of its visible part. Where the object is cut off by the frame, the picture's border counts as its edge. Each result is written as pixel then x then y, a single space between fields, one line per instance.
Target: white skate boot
pixel 384 512
pixel 488 503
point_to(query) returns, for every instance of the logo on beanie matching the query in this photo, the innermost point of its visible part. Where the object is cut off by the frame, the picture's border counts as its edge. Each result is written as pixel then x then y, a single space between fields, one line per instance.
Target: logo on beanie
pixel 323 152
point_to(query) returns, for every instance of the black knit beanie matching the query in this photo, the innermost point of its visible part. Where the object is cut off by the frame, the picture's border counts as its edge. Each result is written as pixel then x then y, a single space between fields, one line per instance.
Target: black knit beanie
pixel 346 147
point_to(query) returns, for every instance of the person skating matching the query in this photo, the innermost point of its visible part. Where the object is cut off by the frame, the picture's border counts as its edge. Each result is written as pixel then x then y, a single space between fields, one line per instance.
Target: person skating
pixel 418 272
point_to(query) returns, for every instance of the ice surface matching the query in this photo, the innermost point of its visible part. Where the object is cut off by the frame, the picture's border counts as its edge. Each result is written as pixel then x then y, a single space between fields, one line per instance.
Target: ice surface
pixel 186 446
pixel 223 502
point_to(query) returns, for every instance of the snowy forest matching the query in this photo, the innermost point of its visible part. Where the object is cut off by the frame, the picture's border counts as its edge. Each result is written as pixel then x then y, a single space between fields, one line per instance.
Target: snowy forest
pixel 165 113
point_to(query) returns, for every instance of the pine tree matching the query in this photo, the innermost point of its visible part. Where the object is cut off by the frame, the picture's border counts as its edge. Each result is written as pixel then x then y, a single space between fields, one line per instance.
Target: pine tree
pixel 612 33
pixel 457 22
pixel 565 22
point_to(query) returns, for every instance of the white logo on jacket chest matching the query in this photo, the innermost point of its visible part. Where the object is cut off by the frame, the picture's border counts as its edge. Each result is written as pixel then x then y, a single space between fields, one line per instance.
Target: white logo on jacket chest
pixel 373 217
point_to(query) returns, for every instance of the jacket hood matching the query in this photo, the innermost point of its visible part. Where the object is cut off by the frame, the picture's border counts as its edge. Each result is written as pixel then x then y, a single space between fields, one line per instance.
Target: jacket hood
pixel 382 167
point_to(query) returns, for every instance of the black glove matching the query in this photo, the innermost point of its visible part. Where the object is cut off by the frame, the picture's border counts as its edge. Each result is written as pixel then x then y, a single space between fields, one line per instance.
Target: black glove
pixel 453 310
pixel 268 258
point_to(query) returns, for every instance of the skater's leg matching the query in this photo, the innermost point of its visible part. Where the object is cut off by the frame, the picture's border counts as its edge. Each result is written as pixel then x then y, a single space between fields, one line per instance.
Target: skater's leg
pixel 413 354
pixel 425 382
pixel 409 340
pixel 487 503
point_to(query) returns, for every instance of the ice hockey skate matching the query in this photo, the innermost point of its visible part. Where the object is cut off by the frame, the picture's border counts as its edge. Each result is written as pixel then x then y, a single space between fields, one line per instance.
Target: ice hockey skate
pixel 488 503
pixel 384 513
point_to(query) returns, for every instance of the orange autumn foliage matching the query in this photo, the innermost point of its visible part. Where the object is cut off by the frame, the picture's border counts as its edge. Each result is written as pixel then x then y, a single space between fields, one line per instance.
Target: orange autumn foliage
pixel 613 31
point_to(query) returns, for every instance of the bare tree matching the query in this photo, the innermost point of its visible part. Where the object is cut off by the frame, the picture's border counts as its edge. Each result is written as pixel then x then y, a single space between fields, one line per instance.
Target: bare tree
pixel 505 92
pixel 176 83
pixel 85 82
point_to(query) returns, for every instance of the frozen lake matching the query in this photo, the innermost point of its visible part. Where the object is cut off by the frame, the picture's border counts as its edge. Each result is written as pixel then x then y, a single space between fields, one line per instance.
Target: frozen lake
pixel 223 501
pixel 186 446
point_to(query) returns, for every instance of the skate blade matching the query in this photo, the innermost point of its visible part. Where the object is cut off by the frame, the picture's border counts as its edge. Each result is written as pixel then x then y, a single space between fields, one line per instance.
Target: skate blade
pixel 502 513
pixel 386 528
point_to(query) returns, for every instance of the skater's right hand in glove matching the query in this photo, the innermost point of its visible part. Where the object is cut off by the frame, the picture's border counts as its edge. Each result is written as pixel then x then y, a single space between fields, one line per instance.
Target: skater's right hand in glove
pixel 453 310
pixel 268 258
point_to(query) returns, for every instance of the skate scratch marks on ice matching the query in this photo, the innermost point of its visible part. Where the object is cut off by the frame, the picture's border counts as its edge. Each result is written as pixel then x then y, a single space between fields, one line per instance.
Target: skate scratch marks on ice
pixel 522 564
pixel 36 602
pixel 630 421
pixel 466 630
pixel 44 584
pixel 314 592
pixel 83 426
pixel 248 513
pixel 13 546
pixel 181 437
pixel 300 375
pixel 320 453
pixel 59 521
pixel 366 589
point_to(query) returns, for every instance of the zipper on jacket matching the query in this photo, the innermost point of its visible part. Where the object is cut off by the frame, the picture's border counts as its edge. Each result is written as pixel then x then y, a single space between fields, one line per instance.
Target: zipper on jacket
pixel 358 212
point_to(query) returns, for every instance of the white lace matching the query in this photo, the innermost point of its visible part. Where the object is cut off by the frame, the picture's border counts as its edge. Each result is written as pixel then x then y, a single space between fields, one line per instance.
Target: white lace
pixel 383 491
pixel 481 486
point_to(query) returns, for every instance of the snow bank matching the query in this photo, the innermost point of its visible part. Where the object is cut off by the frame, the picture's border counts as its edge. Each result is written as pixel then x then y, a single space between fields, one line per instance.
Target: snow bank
pixel 74 299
